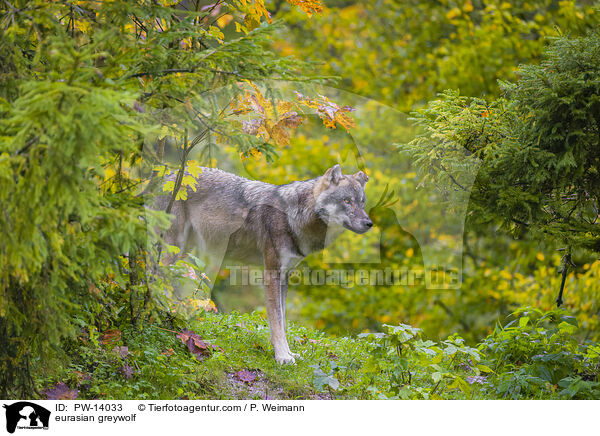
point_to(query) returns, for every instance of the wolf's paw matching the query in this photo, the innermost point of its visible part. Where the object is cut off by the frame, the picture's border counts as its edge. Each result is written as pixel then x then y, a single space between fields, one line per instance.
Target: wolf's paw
pixel 286 359
pixel 296 356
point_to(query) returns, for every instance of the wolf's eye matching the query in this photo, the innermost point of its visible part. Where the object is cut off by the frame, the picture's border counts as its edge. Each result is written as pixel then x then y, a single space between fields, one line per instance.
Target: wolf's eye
pixel 347 201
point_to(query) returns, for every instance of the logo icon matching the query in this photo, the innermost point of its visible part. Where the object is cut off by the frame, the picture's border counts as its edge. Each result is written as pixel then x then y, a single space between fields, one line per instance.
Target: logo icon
pixel 26 415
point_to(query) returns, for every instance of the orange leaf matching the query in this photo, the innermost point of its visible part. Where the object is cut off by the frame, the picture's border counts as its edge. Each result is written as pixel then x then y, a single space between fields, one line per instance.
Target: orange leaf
pixel 308 6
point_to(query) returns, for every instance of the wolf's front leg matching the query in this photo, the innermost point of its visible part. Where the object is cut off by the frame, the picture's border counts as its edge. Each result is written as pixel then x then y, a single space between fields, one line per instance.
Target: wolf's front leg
pixel 272 278
pixel 284 283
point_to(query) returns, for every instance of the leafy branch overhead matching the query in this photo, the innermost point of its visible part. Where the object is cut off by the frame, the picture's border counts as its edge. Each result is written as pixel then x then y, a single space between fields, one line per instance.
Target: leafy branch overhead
pixel 268 120
pixel 272 120
pixel 328 111
pixel 255 10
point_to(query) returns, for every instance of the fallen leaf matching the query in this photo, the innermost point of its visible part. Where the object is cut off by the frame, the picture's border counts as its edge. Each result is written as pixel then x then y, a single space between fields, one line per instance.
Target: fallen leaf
pixel 60 392
pixel 111 336
pixel 197 346
pixel 246 376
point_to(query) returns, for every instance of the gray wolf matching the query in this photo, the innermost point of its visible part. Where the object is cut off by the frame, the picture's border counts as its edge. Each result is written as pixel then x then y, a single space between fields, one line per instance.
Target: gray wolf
pixel 274 226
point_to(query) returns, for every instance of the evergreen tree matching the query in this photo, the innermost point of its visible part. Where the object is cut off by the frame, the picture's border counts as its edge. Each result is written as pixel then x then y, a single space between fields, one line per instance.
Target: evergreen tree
pixel 539 147
pixel 82 85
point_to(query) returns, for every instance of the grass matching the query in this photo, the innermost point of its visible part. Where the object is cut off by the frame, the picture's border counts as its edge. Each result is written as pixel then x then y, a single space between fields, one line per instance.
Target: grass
pixel 158 365
pixel 236 362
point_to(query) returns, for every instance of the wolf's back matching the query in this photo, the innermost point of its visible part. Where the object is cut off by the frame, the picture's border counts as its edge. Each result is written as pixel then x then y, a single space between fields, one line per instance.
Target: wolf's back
pixel 230 191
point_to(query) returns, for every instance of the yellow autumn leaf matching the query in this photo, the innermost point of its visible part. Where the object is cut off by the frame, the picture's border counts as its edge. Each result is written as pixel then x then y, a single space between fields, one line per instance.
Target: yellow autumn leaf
pixel 308 6
pixel 344 120
pixel 240 28
pixel 169 186
pixel 109 173
pixel 194 168
pixel 81 25
pixel 224 20
pixel 189 181
pixel 280 135
pixel 185 43
pixel 160 170
pixel 257 154
pixel 259 103
pixel 284 107
pixel 453 13
pixel 181 194
pixel 251 22
pixel 216 33
pixel 261 10
pixel 292 120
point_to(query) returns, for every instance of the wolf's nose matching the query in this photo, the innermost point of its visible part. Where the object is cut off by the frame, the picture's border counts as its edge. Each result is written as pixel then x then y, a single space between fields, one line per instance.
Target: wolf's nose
pixel 369 223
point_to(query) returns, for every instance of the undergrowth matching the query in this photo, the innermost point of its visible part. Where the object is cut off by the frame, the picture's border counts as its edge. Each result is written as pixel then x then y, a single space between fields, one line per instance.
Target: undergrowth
pixel 228 356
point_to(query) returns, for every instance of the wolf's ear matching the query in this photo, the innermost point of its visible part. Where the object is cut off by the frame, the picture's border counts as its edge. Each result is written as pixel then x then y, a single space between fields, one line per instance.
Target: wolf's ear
pixel 333 174
pixel 362 178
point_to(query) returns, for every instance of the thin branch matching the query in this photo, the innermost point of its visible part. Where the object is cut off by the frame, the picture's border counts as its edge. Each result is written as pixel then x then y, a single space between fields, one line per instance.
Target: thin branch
pixel 180 173
pixel 162 73
pixel 566 263
pixel 453 179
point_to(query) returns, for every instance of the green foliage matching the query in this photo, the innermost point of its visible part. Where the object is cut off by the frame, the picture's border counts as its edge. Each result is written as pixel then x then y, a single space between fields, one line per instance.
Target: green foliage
pixel 404 53
pixel 537 352
pixel 538 146
pixel 88 89
pixel 534 357
pixel 328 378
pixel 420 368
pixel 162 367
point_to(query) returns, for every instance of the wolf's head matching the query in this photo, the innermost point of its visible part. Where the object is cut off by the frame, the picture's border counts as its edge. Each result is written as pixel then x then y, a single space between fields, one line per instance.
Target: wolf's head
pixel 340 200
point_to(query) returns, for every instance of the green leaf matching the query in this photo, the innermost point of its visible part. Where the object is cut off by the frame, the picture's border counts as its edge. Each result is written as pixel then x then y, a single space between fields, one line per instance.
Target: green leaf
pixel 483 368
pixel 173 249
pixel 523 321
